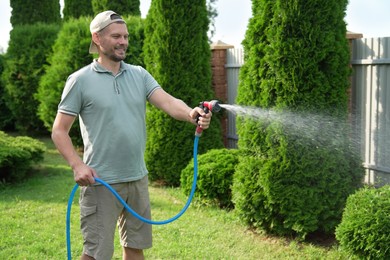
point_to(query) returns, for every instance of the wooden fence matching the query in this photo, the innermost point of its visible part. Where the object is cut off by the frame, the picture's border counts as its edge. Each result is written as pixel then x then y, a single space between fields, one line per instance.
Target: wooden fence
pixel 370 102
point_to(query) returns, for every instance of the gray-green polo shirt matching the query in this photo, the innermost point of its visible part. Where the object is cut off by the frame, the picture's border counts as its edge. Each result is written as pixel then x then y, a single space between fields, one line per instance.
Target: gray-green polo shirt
pixel 112 111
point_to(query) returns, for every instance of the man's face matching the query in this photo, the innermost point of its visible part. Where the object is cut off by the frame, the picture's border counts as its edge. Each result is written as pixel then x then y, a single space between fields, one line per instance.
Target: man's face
pixel 114 40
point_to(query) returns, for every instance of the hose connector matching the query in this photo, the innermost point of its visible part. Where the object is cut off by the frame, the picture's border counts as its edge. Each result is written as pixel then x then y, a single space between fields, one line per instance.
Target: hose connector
pixel 207 106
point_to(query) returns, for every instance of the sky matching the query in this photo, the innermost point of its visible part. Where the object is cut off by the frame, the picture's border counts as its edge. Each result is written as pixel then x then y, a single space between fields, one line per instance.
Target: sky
pixel 368 17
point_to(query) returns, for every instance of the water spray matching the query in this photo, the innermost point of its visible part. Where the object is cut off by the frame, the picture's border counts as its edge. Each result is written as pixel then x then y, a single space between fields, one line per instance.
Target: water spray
pixel 207 106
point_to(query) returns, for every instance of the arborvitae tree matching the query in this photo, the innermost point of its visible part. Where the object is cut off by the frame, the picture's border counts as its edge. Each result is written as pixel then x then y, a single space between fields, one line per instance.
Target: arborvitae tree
pixel 177 54
pixel 122 7
pixel 70 53
pixel 25 59
pixel 29 12
pixel 77 8
pixel 35 26
pixel 5 115
pixel 296 59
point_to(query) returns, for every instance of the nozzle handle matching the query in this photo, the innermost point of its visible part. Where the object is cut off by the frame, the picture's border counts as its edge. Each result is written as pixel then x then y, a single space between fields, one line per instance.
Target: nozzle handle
pixel 207 106
pixel 199 129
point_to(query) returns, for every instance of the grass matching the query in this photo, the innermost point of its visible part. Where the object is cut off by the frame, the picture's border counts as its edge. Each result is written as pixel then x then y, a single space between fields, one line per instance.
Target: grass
pixel 33 224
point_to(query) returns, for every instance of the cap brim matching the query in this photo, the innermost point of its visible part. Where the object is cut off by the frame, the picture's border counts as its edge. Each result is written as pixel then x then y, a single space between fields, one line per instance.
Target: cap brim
pixel 93 48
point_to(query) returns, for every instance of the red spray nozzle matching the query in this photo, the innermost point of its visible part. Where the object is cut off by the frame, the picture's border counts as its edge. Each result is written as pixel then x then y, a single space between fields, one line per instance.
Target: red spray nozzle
pixel 207 106
pixel 212 105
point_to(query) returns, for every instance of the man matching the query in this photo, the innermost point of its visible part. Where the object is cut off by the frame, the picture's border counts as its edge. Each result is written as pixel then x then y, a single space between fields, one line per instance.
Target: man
pixel 109 97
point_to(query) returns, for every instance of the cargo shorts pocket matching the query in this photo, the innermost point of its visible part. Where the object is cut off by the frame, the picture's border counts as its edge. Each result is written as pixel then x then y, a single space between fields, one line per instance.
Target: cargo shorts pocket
pixel 88 222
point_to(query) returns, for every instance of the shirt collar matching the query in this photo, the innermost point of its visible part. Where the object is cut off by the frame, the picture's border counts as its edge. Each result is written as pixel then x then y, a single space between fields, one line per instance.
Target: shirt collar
pixel 96 66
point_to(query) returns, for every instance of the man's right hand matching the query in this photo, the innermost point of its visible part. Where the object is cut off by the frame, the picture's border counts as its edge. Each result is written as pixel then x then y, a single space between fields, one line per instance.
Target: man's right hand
pixel 84 175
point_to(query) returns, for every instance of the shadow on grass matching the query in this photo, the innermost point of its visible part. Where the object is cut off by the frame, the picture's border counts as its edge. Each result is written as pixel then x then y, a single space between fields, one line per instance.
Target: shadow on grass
pixel 318 239
pixel 45 183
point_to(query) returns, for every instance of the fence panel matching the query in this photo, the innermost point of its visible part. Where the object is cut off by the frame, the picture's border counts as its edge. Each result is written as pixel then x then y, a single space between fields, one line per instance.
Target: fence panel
pixel 234 61
pixel 371 88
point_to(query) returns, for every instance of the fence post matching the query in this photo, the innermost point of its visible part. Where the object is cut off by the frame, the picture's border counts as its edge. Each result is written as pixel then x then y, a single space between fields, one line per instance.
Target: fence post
pixel 219 79
pixel 351 106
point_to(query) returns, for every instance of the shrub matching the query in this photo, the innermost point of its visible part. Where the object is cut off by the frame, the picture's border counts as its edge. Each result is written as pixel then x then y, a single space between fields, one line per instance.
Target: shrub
pixel 178 55
pixel 297 190
pixel 25 60
pixel 35 11
pixel 77 8
pixel 123 7
pixel 215 176
pixel 296 63
pixel 17 154
pixel 6 118
pixel 365 226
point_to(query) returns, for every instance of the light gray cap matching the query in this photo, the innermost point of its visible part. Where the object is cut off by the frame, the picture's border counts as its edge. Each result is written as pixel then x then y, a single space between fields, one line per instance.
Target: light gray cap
pixel 101 21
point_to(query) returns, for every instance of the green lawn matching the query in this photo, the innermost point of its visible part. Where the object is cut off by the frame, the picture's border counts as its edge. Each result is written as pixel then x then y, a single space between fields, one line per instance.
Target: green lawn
pixel 33 224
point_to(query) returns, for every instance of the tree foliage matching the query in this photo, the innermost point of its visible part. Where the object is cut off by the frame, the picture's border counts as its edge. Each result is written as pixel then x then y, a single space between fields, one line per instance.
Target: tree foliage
pixel 177 54
pixel 5 116
pixel 365 227
pixel 77 8
pixel 122 7
pixel 25 59
pixel 29 12
pixel 296 59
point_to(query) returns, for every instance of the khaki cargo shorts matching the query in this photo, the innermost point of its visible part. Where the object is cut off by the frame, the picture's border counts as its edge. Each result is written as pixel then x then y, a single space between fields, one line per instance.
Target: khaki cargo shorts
pixel 101 211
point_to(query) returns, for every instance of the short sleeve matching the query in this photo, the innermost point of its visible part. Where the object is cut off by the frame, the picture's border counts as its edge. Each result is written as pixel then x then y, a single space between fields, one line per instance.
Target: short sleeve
pixel 150 83
pixel 71 97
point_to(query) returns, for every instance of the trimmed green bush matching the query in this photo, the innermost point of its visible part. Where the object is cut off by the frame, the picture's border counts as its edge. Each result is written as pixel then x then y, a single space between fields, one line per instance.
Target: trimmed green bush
pixel 35 11
pixel 123 7
pixel 17 155
pixel 24 66
pixel 215 176
pixel 5 115
pixel 365 227
pixel 178 55
pixel 77 8
pixel 295 181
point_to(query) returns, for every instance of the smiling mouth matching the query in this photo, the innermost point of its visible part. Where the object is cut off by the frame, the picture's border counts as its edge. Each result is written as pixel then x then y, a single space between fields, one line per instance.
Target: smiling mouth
pixel 121 48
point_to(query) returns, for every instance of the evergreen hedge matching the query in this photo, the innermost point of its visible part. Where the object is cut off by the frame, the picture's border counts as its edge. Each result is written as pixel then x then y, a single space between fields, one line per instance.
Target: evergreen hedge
pixel 178 55
pixel 123 7
pixel 35 11
pixel 26 56
pixel 215 176
pixel 365 226
pixel 5 116
pixel 17 155
pixel 70 53
pixel 291 182
pixel 77 8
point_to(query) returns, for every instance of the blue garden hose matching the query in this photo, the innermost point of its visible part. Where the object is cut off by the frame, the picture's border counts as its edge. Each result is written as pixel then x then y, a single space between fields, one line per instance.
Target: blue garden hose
pixel 153 222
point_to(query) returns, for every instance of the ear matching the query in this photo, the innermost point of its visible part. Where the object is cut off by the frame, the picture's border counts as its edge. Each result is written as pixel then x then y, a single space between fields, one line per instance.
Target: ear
pixel 95 38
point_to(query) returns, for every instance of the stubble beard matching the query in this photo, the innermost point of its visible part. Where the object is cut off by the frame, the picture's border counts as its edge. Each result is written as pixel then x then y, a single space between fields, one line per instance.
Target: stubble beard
pixel 112 56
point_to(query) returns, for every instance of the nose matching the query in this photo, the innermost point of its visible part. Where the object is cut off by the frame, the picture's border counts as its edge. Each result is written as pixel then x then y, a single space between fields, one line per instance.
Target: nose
pixel 123 40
